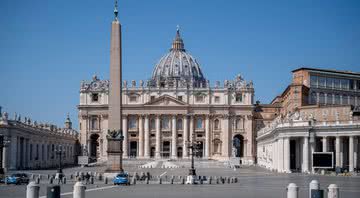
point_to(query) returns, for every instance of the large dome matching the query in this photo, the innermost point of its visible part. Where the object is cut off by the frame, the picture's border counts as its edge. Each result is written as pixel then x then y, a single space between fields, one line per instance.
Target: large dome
pixel 178 64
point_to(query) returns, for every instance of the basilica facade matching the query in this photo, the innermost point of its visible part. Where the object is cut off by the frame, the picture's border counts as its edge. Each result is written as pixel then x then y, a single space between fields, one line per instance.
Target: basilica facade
pixel 176 106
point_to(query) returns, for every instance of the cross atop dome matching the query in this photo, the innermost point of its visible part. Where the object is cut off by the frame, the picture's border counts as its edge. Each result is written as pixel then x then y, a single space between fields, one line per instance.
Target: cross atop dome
pixel 178 43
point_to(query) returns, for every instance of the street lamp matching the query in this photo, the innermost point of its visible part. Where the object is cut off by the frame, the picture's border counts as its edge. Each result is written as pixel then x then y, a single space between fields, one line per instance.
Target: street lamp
pixel 193 146
pixel 3 143
pixel 59 152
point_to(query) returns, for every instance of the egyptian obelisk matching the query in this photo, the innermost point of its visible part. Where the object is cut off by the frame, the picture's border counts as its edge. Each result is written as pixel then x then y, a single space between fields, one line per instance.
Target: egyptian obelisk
pixel 115 110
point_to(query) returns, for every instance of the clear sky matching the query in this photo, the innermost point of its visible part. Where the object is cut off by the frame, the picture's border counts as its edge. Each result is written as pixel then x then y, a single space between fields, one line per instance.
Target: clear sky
pixel 48 47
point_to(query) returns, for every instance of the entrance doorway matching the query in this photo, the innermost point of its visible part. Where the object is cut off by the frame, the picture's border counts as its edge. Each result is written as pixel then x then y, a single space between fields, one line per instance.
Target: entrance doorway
pixel 152 152
pixel 133 149
pixel 166 149
pixel 238 146
pixel 179 152
pixel 94 147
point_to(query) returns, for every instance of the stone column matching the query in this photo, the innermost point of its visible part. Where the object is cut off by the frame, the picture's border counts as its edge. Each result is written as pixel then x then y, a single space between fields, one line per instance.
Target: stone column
pixel 225 136
pixel 13 150
pixel 337 151
pixel 356 142
pixel 173 137
pixel 4 158
pixel 125 133
pixel 305 154
pixel 191 128
pixel 141 137
pixel 147 137
pixel 351 153
pixel 274 156
pixel 287 155
pixel 185 137
pixel 158 140
pixel 207 136
pixel 281 154
pixel 324 144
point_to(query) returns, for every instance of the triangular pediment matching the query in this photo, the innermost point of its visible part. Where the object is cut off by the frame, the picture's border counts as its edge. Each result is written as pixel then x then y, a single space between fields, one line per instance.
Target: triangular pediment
pixel 165 100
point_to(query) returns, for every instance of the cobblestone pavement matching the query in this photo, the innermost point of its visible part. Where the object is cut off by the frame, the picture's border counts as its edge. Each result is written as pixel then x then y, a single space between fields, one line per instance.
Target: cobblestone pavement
pixel 253 182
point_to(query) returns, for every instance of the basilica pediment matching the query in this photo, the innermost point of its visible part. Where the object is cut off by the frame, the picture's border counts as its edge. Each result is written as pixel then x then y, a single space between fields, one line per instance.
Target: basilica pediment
pixel 165 100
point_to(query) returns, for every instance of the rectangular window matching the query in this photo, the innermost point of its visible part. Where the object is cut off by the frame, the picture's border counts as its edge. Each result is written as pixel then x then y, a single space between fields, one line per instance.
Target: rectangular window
pixel 329 82
pixel 313 81
pixel 217 99
pixel 133 98
pixel 352 84
pixel 238 97
pixel 95 97
pixel 199 98
pixel 337 83
pixel 152 98
pixel 180 98
pixel 37 152
pixel 344 84
pixel 321 81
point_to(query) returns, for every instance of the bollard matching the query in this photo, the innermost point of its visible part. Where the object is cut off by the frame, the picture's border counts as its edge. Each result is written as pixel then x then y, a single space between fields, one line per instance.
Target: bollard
pixel 160 180
pixel 210 180
pixel 314 185
pixel 53 191
pixel 228 180
pixel 99 177
pixel 217 180
pixel 172 180
pixel 333 191
pixel 51 181
pixel 64 180
pixel 292 191
pixel 79 190
pixel 32 190
pixel 48 176
pixel 105 180
pixel 183 180
pixel 147 180
pixel 92 180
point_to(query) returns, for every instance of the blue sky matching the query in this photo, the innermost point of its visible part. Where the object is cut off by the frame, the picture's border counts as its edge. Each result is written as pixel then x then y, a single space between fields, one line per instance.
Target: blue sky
pixel 48 47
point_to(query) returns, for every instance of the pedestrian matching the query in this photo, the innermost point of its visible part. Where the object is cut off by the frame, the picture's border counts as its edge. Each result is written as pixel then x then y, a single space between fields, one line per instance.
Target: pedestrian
pixel 87 178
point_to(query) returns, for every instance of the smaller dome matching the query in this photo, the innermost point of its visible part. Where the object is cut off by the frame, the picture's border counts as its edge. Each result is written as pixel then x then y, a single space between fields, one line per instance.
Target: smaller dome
pixel 178 64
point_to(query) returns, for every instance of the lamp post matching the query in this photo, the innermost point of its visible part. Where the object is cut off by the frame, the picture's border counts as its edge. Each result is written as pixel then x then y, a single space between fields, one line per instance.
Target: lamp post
pixel 193 146
pixel 3 143
pixel 59 152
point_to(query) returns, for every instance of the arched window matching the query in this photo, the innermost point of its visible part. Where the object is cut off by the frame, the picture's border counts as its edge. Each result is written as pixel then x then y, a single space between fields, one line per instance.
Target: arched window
pixel 152 124
pixel 313 98
pixel 165 123
pixel 179 124
pixel 132 122
pixel 199 123
pixel 352 100
pixel 337 99
pixel 216 124
pixel 322 98
pixel 345 99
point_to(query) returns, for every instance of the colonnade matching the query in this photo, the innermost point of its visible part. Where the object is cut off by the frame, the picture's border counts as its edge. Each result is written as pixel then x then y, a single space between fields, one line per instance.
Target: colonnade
pixel 281 152
pixel 148 136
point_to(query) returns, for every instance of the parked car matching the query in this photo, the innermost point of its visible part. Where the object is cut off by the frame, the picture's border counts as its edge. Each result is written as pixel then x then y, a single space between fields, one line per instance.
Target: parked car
pixel 17 178
pixel 122 178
